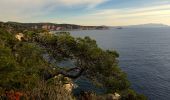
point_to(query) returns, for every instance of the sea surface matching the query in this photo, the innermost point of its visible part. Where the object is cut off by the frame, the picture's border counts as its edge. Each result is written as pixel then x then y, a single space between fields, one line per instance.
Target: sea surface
pixel 144 56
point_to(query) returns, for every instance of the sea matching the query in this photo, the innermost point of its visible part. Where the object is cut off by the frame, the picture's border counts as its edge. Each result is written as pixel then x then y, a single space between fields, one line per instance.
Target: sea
pixel 144 56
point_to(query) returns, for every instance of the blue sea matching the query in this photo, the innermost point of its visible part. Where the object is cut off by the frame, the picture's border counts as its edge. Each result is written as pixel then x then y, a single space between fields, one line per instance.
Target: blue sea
pixel 144 56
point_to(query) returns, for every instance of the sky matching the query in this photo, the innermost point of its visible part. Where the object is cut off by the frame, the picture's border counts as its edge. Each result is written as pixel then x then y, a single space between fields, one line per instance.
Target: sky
pixel 87 12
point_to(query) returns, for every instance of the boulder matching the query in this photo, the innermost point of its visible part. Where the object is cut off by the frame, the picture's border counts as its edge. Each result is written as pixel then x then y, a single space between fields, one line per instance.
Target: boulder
pixel 114 96
pixel 19 36
pixel 68 87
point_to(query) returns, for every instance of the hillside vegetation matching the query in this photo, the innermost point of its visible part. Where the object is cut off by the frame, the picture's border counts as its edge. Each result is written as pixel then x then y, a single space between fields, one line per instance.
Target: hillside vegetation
pixel 26 74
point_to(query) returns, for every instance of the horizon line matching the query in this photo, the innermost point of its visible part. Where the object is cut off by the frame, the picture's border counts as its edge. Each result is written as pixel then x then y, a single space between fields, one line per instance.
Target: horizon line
pixel 87 25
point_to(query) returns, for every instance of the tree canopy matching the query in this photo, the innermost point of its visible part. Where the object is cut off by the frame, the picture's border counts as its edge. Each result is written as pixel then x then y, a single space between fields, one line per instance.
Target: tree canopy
pixel 23 65
pixel 90 60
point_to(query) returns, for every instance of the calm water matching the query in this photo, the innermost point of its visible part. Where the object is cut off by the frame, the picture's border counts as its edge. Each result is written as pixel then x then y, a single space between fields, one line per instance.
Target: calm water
pixel 144 56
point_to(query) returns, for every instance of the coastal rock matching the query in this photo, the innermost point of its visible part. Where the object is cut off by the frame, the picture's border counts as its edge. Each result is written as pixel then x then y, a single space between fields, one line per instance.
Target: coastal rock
pixel 68 87
pixel 19 36
pixel 68 84
pixel 114 96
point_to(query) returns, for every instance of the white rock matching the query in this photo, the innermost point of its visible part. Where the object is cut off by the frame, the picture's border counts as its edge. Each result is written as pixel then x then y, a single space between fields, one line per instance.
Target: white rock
pixel 68 87
pixel 19 36
pixel 114 96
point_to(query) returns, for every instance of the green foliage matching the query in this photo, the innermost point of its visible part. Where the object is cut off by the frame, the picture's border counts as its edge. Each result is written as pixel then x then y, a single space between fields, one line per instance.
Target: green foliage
pixel 22 66
pixel 6 38
pixel 20 63
pixel 7 66
pixel 99 65
pixel 132 95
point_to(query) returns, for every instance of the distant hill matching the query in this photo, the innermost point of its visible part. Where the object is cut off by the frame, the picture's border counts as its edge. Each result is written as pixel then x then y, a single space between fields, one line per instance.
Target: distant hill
pixel 51 26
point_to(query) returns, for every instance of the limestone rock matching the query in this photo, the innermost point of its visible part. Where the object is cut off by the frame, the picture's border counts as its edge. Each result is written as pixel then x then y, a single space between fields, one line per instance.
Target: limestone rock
pixel 114 96
pixel 19 36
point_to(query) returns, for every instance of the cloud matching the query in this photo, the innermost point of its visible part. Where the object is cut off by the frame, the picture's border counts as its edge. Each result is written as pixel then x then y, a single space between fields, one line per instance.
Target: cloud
pixel 24 9
pixel 126 16
pixel 43 11
pixel 41 4
pixel 81 2
pixel 20 9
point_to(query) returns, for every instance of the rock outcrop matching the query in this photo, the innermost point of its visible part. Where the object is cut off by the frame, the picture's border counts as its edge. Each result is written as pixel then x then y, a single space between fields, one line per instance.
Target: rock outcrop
pixel 19 36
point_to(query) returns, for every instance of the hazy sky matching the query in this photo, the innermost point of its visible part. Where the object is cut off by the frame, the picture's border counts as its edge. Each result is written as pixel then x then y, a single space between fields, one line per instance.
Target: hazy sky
pixel 87 12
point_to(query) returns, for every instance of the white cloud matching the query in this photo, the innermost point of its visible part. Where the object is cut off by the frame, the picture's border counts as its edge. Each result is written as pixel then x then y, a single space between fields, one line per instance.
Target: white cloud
pixel 39 4
pixel 126 16
pixel 79 2
pixel 20 10
pixel 37 10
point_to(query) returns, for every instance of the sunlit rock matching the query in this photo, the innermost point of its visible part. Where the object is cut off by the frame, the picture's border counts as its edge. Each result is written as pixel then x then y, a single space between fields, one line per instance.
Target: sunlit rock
pixel 19 36
pixel 69 87
pixel 114 96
